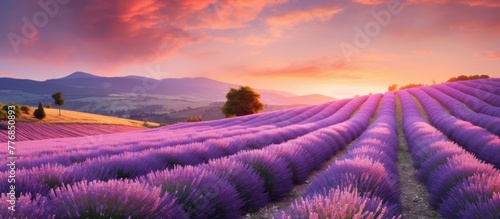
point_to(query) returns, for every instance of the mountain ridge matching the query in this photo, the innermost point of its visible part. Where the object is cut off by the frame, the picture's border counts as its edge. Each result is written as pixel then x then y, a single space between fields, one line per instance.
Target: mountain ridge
pixel 166 100
pixel 83 84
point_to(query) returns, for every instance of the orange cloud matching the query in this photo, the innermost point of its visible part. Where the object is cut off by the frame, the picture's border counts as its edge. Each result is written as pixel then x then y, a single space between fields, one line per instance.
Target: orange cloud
pixel 293 18
pixel 483 3
pixel 473 3
pixel 427 1
pixel 127 31
pixel 296 17
pixel 314 68
pixel 258 40
pixel 370 2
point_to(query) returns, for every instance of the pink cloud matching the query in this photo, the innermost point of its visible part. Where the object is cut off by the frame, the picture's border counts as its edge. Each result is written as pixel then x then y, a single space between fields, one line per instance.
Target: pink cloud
pixel 289 19
pixel 258 40
pixel 227 14
pixel 8 74
pixel 427 1
pixel 316 68
pixel 296 17
pixel 204 54
pixel 473 3
pixel 489 55
pixel 369 2
pixel 451 21
pixel 126 31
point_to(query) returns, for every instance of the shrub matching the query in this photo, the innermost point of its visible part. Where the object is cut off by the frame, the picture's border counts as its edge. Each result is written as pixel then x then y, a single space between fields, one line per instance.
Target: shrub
pixel 113 199
pixel 39 180
pixel 40 112
pixel 457 169
pixel 465 77
pixel 339 203
pixel 248 184
pixel 5 109
pixel 121 166
pixel 25 109
pixel 367 176
pixel 194 119
pixel 272 169
pixel 201 193
pixel 476 197
pixel 26 207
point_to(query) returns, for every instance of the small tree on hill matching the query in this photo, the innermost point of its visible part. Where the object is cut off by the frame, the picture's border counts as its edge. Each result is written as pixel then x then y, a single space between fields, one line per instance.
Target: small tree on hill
pixel 242 101
pixel 40 112
pixel 58 100
pixel 393 87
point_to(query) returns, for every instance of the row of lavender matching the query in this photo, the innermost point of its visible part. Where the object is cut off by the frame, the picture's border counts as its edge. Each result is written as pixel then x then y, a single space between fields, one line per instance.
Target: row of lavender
pixel 483 91
pixel 131 165
pixel 460 185
pixel 472 101
pixel 111 147
pixel 477 140
pixel 361 184
pixel 459 110
pixel 179 133
pixel 222 188
pixel 35 131
pixel 485 85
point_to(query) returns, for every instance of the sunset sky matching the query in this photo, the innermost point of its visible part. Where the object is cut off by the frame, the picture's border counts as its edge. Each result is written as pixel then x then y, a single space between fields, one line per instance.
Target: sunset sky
pixel 335 48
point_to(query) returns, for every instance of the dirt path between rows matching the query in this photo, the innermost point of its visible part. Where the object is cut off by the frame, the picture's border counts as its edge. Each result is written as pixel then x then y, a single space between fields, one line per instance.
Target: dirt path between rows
pixel 414 195
pixel 273 207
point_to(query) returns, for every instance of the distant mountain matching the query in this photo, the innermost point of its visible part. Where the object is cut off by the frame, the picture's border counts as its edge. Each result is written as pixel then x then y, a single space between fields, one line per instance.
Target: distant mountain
pixel 165 100
pixel 199 88
pixel 86 85
pixel 277 99
pixel 80 74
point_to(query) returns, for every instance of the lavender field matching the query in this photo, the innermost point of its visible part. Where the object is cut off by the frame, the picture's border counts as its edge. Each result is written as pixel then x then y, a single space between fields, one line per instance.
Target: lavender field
pixel 345 154
pixel 35 131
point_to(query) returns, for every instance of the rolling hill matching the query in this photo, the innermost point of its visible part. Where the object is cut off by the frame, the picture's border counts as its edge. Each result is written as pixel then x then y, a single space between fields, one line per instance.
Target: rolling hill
pixel 164 100
pixel 69 124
